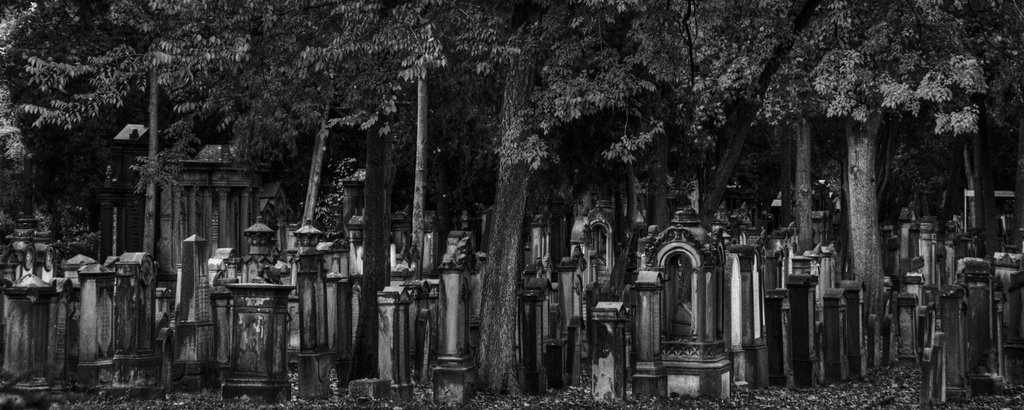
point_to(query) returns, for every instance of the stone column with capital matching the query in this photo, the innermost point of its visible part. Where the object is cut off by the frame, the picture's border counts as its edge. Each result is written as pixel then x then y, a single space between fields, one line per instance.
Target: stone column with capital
pixel 455 374
pixel 194 367
pixel 649 376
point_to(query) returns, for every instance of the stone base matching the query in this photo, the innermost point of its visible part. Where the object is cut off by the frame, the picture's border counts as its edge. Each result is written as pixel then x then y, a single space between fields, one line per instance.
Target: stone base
pixel 454 384
pixel 985 384
pixel 136 377
pixel 649 380
pixel 315 374
pixel 757 360
pixel 956 394
pixel 95 374
pixel 343 368
pixel 373 389
pixel 533 381
pixel 194 376
pixel 554 362
pixel 264 390
pixel 1014 356
pixel 807 372
pixel 692 378
pixel 401 391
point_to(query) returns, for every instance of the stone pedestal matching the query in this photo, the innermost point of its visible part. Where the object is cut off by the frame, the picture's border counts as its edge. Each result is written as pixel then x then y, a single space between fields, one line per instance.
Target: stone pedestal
pixel 926 248
pixel 608 352
pixel 194 366
pixel 96 326
pixel 806 372
pixel 455 374
pixel 750 361
pixel 223 267
pixel 853 291
pixel 136 366
pixel 345 330
pixel 314 357
pixel 834 336
pixel 649 377
pixel 933 380
pixel 983 361
pixel 31 348
pixel 1009 274
pixel 906 320
pixel 532 374
pixel 393 339
pixel 953 317
pixel 778 338
pixel 259 359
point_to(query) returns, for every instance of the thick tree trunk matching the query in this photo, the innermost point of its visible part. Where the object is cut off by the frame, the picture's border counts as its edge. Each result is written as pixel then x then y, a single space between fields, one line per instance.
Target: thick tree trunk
pixel 984 194
pixel 315 168
pixel 804 189
pixel 1018 207
pixel 865 245
pixel 376 261
pixel 419 185
pixel 497 356
pixel 149 225
pixel 786 180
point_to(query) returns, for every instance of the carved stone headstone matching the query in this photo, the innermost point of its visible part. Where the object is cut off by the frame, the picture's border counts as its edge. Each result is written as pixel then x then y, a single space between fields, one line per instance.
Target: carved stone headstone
pixel 608 352
pixel 805 350
pixel 259 353
pixel 393 336
pixel 857 357
pixel 136 365
pixel 314 357
pixel 834 337
pixel 953 317
pixel 194 366
pixel 96 326
pixel 649 377
pixel 455 374
pixel 906 341
pixel 778 338
pixel 983 361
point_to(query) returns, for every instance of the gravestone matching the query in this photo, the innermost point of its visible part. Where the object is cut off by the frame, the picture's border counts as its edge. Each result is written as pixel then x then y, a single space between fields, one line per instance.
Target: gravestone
pixel 96 326
pixel 834 354
pixel 906 340
pixel 224 267
pixel 1008 272
pixel 926 249
pixel 953 317
pixel 983 361
pixel 857 359
pixel 137 369
pixel 34 333
pixel 532 307
pixel 778 338
pixel 315 358
pixel 649 377
pixel 259 353
pixel 393 338
pixel 802 312
pixel 194 366
pixel 933 386
pixel 608 352
pixel 455 374
pixel 344 332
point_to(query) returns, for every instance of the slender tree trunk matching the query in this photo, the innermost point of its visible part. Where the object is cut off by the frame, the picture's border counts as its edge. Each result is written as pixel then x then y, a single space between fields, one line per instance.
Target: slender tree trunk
pixel 786 180
pixel 984 194
pixel 803 185
pixel 376 269
pixel 497 356
pixel 865 245
pixel 659 197
pixel 315 168
pixel 419 189
pixel 149 227
pixel 1018 207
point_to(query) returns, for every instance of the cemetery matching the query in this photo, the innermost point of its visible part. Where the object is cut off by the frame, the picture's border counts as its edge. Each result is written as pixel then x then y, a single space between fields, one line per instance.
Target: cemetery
pixel 261 206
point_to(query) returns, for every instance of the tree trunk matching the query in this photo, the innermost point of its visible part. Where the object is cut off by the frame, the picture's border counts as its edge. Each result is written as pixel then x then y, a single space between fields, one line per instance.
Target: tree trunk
pixel 804 185
pixel 497 356
pixel 1018 207
pixel 865 245
pixel 786 180
pixel 376 261
pixel 315 168
pixel 659 197
pixel 149 225
pixel 984 194
pixel 419 189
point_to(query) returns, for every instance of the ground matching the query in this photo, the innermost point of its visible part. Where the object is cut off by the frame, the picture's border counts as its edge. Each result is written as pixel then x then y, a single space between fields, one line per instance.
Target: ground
pixel 889 388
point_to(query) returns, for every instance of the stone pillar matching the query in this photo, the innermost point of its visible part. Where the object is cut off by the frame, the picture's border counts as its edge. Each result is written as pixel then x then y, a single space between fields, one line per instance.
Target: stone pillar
pixel 393 338
pixel 136 365
pixel 191 211
pixel 933 384
pixel 176 238
pixel 926 248
pixel 1008 273
pixel 29 335
pixel 532 318
pixel 778 338
pixel 904 241
pixel 194 366
pixel 224 237
pixel 752 294
pixel 906 334
pixel 950 259
pixel 476 291
pixel 314 356
pixel 96 326
pixel 244 213
pixel 953 317
pixel 608 352
pixel 455 374
pixel 223 268
pixel 345 330
pixel 355 241
pixel 805 352
pixel 259 359
pixel 982 337
pixel 834 337
pixel 649 376
pixel 853 291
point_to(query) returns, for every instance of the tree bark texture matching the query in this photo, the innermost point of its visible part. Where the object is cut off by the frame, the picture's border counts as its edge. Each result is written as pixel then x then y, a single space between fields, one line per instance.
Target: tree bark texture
pixel 315 169
pixel 376 242
pixel 804 187
pixel 984 193
pixel 1018 207
pixel 659 202
pixel 497 356
pixel 865 245
pixel 419 185
pixel 149 226
pixel 786 180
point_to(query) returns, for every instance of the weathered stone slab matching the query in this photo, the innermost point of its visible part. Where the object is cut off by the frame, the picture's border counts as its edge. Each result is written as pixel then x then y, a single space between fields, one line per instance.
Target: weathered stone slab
pixel 373 389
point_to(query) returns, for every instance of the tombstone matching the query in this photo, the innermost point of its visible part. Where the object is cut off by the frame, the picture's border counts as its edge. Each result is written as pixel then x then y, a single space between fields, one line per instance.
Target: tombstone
pixel 853 291
pixel 834 330
pixel 778 338
pixel 771 268
pixel 906 340
pixel 750 364
pixel 926 248
pixel 913 280
pixel 570 308
pixel 137 368
pixel 455 374
pixel 983 362
pixel 343 330
pixel 96 326
pixel 649 374
pixel 194 364
pixel 533 303
pixel 1008 272
pixel 392 340
pixel 827 269
pixel 314 357
pixel 933 383
pixel 224 267
pixel 426 327
pixel 953 317
pixel 890 250
pixel 258 357
pixel 806 371
pixel 35 333
pixel 608 352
